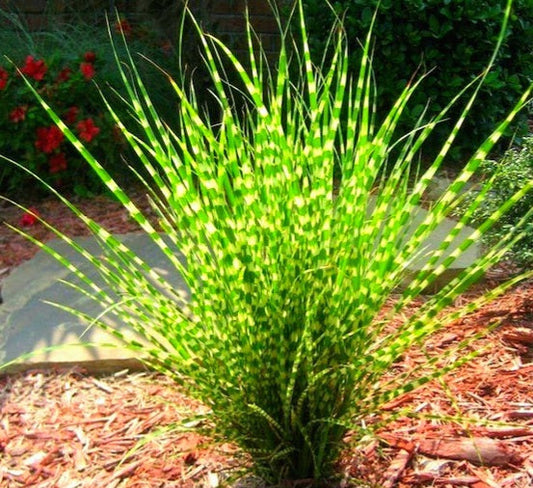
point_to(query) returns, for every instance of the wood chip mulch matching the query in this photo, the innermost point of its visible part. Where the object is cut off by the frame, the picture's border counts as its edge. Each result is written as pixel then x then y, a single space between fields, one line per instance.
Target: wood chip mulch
pixel 487 441
pixel 68 429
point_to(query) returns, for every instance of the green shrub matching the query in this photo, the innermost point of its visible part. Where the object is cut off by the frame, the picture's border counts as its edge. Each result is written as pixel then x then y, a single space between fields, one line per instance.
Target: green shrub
pixel 512 171
pixel 452 38
pixel 285 332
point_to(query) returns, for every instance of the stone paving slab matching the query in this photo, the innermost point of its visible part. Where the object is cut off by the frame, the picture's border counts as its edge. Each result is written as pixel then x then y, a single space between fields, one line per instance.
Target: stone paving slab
pixel 27 324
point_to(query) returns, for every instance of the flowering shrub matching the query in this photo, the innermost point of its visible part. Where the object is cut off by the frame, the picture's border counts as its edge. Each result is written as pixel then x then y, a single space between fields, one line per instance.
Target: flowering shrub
pixel 28 135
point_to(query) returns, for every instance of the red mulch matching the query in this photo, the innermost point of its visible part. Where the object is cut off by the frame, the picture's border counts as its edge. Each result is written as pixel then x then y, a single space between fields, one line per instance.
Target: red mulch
pixel 67 429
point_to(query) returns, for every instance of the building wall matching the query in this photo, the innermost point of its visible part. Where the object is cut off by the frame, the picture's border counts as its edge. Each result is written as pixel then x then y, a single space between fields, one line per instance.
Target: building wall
pixel 228 17
pixel 222 17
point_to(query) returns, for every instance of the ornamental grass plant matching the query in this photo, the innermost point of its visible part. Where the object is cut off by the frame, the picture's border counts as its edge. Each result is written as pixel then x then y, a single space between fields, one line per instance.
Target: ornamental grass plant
pixel 290 219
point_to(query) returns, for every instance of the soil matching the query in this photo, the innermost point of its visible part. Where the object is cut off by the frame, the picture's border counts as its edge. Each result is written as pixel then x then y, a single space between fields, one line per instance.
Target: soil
pixel 68 429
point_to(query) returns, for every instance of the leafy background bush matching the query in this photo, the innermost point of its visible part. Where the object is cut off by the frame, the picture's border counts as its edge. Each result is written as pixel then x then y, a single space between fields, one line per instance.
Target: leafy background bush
pixel 456 39
pixel 62 47
pixel 511 172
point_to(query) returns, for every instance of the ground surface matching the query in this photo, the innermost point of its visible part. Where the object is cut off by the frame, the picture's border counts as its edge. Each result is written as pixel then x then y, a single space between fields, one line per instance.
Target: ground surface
pixel 67 429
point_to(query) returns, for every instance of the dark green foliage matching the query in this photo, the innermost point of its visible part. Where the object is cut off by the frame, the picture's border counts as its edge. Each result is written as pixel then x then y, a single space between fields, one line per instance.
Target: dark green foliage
pixel 511 172
pixel 455 39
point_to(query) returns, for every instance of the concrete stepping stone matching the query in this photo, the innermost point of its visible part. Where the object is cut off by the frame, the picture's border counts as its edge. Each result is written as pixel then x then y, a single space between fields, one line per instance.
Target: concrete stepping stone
pixel 27 324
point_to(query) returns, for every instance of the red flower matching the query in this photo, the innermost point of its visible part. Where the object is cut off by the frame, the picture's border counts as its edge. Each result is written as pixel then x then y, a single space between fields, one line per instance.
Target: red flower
pixel 57 163
pixel 87 70
pixel 64 75
pixel 35 69
pixel 3 78
pixel 48 138
pixel 123 27
pixel 87 130
pixel 29 218
pixel 71 115
pixel 18 114
pixel 90 57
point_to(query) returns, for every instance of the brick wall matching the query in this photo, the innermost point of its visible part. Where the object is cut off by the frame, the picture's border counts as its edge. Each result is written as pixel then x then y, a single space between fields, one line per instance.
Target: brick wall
pixel 228 20
pixel 31 10
pixel 223 17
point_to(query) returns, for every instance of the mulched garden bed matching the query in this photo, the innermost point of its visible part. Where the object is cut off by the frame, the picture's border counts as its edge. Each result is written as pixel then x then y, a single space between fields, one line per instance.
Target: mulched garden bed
pixel 67 429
